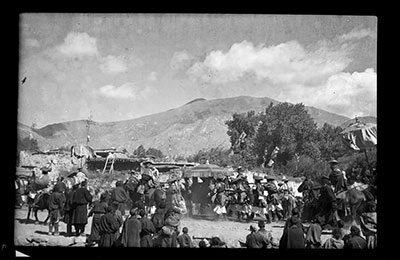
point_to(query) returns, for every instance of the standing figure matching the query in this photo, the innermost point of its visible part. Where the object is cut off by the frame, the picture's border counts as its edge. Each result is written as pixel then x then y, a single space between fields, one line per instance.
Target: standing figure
pixel 98 210
pixel 108 227
pixel 131 230
pixel 69 208
pixel 81 198
pixel 56 206
pixel 293 233
pixel 120 197
pixel 147 230
pixel 327 202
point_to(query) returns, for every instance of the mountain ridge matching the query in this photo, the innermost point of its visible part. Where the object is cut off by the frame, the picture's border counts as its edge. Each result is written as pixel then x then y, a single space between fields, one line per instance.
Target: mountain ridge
pixel 184 130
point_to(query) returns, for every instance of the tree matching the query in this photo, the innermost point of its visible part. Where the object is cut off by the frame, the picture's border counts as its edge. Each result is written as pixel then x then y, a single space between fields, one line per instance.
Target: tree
pixel 154 152
pixel 140 151
pixel 242 129
pixel 288 127
pixel 331 145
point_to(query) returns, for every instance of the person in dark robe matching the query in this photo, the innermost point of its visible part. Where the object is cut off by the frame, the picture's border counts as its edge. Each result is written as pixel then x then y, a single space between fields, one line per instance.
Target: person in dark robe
pixel 327 203
pixel 108 226
pixel 158 216
pixel 56 206
pixel 169 232
pixel 120 196
pixel 265 236
pixel 60 185
pixel 69 208
pixel 184 239
pixel 98 210
pixel 293 232
pixel 313 236
pixel 81 198
pixel 354 240
pixel 147 231
pixel 130 236
pixel 251 240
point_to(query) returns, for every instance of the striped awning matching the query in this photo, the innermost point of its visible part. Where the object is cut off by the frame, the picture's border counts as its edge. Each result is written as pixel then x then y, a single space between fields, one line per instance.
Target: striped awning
pixel 360 136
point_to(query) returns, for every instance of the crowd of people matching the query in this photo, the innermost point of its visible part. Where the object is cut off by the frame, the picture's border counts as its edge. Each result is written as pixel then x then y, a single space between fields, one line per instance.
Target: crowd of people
pixel 120 220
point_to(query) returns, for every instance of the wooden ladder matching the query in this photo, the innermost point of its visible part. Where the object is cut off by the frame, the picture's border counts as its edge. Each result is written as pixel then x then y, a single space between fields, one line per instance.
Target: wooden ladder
pixel 109 165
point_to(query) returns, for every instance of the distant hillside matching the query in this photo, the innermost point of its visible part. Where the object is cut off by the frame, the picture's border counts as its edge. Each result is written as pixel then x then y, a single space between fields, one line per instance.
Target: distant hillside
pixel 198 124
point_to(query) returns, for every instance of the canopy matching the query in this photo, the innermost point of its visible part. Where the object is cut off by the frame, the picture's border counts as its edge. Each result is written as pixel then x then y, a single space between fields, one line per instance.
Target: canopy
pixel 207 170
pixel 23 172
pixel 360 136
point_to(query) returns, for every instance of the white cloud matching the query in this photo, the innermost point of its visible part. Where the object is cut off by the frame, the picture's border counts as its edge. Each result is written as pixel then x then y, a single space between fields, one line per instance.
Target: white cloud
pixel 123 92
pixel 357 34
pixel 344 93
pixel 78 44
pixel 286 63
pixel 152 76
pixel 31 42
pixel 112 64
pixel 126 91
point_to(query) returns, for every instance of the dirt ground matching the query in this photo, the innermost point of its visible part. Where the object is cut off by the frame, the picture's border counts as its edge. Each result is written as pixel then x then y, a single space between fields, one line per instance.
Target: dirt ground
pixel 230 231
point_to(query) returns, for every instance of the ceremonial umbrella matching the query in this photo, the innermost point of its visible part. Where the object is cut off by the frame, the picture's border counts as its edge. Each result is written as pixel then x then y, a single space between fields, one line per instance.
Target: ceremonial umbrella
pixel 207 170
pixel 360 136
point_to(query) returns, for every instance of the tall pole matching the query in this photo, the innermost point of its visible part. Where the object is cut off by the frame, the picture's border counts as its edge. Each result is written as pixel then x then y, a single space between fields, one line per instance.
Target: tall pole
pixel 88 122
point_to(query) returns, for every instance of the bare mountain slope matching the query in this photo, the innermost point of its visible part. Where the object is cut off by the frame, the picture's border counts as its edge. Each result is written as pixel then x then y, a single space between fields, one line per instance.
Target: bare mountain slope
pixel 196 125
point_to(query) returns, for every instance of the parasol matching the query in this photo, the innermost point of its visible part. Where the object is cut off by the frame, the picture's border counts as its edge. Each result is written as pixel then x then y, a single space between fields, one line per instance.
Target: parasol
pixel 207 170
pixel 360 136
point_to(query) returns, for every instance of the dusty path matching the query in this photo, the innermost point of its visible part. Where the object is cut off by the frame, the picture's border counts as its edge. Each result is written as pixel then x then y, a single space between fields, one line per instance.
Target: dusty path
pixel 229 231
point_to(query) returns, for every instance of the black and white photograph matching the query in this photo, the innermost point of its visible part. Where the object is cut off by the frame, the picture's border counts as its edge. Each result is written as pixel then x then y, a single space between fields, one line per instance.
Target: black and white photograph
pixel 196 130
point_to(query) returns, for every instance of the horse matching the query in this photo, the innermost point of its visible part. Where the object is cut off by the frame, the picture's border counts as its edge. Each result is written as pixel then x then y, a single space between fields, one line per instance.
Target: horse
pixel 36 203
pixel 351 198
pixel 41 204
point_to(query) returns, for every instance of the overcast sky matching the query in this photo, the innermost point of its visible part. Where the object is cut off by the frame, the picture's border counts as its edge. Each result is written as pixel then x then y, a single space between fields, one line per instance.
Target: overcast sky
pixel 122 66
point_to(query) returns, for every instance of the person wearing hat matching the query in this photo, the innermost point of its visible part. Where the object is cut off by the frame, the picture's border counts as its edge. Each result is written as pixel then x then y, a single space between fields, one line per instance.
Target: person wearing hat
pixel 327 201
pixel 259 192
pixel 354 240
pixel 274 207
pixel 174 198
pixel 43 181
pixel 150 170
pixel 337 177
pixel 98 210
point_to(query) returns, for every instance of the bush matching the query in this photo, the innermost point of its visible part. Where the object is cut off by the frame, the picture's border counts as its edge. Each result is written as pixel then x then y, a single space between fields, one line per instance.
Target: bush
pixel 305 166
